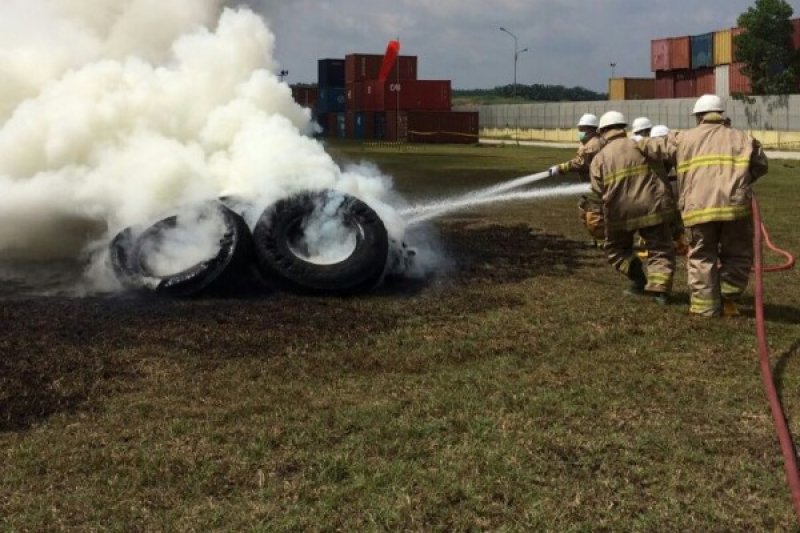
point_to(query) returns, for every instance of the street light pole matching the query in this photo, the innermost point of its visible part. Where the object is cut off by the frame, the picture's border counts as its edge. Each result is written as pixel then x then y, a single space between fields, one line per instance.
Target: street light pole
pixel 613 66
pixel 517 52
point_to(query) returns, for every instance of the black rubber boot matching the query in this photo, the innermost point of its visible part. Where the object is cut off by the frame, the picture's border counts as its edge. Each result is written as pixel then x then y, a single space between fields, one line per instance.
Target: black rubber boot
pixel 637 277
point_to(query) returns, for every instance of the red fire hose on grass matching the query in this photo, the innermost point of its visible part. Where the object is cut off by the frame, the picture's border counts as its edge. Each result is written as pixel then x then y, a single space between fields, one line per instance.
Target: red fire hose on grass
pixel 778 416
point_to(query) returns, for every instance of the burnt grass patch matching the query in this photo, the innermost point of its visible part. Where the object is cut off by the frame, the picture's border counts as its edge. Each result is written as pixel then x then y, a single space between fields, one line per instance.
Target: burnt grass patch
pixel 58 354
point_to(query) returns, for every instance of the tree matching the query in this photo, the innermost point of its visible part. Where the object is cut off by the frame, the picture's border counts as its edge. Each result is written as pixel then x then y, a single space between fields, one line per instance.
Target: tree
pixel 766 48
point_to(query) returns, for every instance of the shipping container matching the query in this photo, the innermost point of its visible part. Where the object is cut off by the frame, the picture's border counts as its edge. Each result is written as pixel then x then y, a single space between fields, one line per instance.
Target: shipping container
pixel 723 47
pixel 659 55
pixel 796 33
pixel 331 100
pixel 360 125
pixel 417 95
pixel 734 33
pixel 367 67
pixel 328 122
pixel 631 89
pixel 722 81
pixel 330 73
pixel 739 83
pixel 705 82
pixel 443 127
pixel 702 48
pixel 393 125
pixel 665 85
pixel 306 95
pixel 680 53
pixel 684 84
pixel 355 96
pixel 341 125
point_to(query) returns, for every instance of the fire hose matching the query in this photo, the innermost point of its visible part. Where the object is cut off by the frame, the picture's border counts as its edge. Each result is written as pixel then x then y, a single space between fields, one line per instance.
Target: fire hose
pixel 778 416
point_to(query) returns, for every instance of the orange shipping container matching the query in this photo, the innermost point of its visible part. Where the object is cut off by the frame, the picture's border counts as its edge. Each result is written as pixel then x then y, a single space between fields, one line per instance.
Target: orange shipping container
pixel 680 53
pixel 723 47
pixel 631 89
pixel 739 83
pixel 705 81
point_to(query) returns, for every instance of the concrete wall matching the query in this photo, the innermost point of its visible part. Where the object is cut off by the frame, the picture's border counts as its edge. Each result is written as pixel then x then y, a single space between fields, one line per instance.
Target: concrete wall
pixel 773 120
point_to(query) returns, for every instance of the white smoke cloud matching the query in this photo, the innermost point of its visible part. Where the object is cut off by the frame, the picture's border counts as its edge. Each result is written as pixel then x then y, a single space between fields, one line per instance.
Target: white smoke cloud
pixel 115 112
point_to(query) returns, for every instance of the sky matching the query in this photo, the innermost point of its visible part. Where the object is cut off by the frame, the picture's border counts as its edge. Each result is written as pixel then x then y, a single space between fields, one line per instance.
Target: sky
pixel 570 42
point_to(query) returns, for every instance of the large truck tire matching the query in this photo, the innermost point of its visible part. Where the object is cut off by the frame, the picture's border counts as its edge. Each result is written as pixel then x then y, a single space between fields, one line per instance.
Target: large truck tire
pixel 232 259
pixel 281 227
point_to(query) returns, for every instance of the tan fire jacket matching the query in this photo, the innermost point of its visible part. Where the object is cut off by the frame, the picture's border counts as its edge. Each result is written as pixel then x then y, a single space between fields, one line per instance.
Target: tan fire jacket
pixel 583 159
pixel 716 168
pixel 634 194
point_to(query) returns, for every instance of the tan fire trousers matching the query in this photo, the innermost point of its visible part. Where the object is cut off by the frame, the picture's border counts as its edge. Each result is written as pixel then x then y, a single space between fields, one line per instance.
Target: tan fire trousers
pixel 719 262
pixel 660 254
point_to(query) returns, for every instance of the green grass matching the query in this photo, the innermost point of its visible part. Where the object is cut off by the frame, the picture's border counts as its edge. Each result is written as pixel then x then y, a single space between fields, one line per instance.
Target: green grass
pixel 522 391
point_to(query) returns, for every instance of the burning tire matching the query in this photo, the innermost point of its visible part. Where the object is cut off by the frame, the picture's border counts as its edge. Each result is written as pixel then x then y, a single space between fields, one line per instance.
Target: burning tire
pixel 231 255
pixel 323 242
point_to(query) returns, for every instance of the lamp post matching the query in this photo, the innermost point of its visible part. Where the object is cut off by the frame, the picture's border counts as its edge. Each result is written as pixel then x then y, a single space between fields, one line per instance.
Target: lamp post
pixel 613 66
pixel 517 52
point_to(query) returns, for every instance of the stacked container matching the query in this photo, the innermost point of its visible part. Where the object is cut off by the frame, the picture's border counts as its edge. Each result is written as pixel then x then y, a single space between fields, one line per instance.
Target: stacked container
pixel 702 64
pixel 403 107
pixel 332 100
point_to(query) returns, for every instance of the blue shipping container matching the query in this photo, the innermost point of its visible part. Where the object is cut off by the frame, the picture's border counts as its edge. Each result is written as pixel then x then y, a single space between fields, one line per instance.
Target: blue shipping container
pixel 331 100
pixel 330 72
pixel 360 126
pixel 703 50
pixel 341 126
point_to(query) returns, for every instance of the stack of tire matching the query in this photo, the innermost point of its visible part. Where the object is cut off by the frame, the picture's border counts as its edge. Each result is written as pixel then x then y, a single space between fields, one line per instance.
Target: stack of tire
pixel 269 247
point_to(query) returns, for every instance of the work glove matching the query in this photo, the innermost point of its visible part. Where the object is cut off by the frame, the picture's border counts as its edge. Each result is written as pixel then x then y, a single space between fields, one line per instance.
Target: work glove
pixel 554 171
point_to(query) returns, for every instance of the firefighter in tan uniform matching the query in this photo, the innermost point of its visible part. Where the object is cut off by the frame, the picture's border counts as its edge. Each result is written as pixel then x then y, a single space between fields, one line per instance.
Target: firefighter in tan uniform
pixel 590 207
pixel 636 199
pixel 716 166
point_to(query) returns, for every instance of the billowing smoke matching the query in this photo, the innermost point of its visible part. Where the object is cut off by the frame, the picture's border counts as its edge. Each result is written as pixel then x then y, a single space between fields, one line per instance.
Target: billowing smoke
pixel 118 112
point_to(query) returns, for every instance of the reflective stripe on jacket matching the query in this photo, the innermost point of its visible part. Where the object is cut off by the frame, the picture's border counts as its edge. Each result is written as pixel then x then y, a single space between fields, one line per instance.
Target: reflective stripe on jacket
pixel 634 194
pixel 716 168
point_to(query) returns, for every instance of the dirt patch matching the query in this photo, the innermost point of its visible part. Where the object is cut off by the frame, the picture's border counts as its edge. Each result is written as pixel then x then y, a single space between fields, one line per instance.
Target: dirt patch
pixel 59 353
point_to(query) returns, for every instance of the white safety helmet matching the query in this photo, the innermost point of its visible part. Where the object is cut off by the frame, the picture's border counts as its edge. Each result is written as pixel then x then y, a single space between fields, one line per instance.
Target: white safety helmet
pixel 708 103
pixel 612 118
pixel 659 131
pixel 641 123
pixel 588 120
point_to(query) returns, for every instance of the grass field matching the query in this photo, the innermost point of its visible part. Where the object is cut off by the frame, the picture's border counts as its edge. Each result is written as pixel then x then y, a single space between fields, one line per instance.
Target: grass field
pixel 520 391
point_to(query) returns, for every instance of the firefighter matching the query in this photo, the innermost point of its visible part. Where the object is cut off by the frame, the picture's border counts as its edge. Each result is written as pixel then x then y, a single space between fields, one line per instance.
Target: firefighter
pixel 590 208
pixel 636 199
pixel 641 128
pixel 716 167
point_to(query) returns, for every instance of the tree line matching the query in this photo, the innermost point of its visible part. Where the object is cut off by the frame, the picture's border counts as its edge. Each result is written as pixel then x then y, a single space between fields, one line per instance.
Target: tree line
pixel 536 93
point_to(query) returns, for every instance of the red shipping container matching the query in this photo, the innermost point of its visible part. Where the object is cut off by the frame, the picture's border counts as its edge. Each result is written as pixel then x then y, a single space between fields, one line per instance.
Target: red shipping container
pixel 796 33
pixel 739 83
pixel 332 123
pixel 685 84
pixel 665 85
pixel 680 53
pixel 355 94
pixel 395 126
pixel 365 67
pixel 306 96
pixel 705 81
pixel 659 55
pixel 443 127
pixel 417 95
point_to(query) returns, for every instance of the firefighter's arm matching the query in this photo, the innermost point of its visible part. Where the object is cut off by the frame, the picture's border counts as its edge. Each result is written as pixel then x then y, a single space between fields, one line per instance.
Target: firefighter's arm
pixel 663 149
pixel 758 161
pixel 576 163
